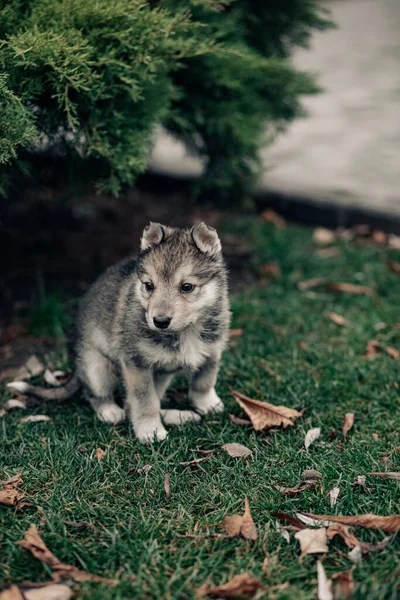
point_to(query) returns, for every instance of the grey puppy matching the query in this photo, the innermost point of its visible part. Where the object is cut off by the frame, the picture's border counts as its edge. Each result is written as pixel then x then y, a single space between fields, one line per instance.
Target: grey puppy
pixel 147 319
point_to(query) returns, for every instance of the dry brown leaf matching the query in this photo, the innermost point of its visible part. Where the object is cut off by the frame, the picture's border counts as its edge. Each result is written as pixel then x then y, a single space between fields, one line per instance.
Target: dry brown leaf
pixel 375 436
pixel 240 586
pixel 309 284
pixel 311 435
pixel 312 541
pixel 344 532
pixel 270 268
pixel 55 378
pixel 323 236
pixel 145 469
pixel 237 450
pixel 241 524
pixel 270 216
pixel 100 454
pixel 10 495
pixel 167 486
pixel 337 319
pixel 264 415
pixel 343 585
pixel 380 237
pixel 34 544
pixel 351 288
pixel 389 524
pixel 296 489
pixel 292 521
pixel 80 525
pixel 392 352
pixel 355 555
pixel 14 403
pixel 394 241
pixel 334 495
pixel 235 333
pixel 386 475
pixel 394 266
pixel 239 420
pixel 34 419
pixel 31 368
pixel 348 423
pixel 11 593
pixel 54 591
pixel 324 591
pixel 204 452
pixel 195 461
pixel 311 474
pixel 372 350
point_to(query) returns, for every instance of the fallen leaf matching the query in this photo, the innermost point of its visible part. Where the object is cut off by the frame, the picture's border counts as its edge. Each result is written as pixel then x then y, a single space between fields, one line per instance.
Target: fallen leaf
pixel 204 452
pixel 239 420
pixel 53 591
pixel 394 266
pixel 394 241
pixel 323 236
pixel 80 525
pixel 16 403
pixel 2 412
pixel 375 436
pixel 344 532
pixel 386 475
pixel 308 520
pixel 241 524
pixel 100 454
pixel 380 237
pixel 389 524
pixel 292 521
pixel 392 352
pixel 145 469
pixel 372 350
pixel 324 591
pixel 312 541
pixel 296 489
pixel 283 531
pixel 343 585
pixel 237 450
pixel 270 268
pixel 235 333
pixel 34 544
pixel 54 378
pixel 351 288
pixel 195 461
pixel 334 495
pixel 167 486
pixel 31 368
pixel 309 284
pixel 348 423
pixel 311 436
pixel 355 555
pixel 337 319
pixel 11 593
pixel 380 326
pixel 10 495
pixel 264 415
pixel 34 419
pixel 270 216
pixel 240 586
pixel 331 252
pixel 311 474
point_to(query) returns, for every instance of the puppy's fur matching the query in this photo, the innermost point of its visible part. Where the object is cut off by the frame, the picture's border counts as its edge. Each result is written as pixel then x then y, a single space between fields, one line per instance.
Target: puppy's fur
pixel 147 319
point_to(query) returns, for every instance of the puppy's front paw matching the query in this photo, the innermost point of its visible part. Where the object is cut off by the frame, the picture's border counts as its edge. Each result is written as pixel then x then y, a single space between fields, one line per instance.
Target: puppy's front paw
pixel 150 431
pixel 172 416
pixel 111 413
pixel 208 402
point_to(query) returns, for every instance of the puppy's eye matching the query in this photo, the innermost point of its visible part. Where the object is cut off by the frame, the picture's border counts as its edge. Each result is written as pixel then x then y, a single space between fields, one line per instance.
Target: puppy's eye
pixel 149 286
pixel 187 287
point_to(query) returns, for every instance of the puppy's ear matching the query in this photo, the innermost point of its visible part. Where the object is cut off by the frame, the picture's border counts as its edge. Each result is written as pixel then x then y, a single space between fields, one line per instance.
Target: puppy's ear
pixel 206 239
pixel 153 235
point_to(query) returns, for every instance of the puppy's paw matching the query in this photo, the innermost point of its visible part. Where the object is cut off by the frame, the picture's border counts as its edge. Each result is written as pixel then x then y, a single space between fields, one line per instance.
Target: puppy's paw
pixel 173 416
pixel 111 413
pixel 208 402
pixel 150 431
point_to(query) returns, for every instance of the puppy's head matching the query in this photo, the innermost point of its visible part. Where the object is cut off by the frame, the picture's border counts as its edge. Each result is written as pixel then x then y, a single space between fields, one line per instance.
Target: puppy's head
pixel 180 274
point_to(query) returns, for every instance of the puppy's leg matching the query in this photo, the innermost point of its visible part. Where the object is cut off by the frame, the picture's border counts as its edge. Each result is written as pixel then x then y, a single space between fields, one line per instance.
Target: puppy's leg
pixel 99 380
pixel 172 416
pixel 202 392
pixel 143 403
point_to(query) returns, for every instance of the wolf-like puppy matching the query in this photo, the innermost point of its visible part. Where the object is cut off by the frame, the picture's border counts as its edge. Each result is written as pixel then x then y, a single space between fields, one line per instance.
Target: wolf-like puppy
pixel 147 319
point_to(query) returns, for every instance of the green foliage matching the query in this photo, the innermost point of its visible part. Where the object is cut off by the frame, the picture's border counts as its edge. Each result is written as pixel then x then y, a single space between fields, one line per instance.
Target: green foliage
pixel 48 315
pixel 99 75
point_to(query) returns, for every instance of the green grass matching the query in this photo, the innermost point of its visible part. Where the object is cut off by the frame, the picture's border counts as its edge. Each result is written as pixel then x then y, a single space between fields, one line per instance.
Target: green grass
pixel 138 530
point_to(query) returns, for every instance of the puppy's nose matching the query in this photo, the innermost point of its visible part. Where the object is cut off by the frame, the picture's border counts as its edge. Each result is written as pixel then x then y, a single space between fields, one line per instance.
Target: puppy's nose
pixel 162 322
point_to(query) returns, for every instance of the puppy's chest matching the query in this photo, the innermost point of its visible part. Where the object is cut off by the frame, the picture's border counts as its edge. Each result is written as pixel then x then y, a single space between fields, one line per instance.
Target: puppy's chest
pixel 188 352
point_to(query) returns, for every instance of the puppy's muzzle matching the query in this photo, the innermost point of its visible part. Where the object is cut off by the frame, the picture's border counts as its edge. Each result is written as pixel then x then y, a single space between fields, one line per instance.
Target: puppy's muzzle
pixel 162 322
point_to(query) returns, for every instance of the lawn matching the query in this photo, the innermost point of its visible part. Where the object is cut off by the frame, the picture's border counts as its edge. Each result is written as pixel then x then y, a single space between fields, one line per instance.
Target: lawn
pixel 289 353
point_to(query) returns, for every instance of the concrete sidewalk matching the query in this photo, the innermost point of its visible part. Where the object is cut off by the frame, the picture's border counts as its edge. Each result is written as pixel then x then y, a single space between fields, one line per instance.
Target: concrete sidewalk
pixel 347 152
